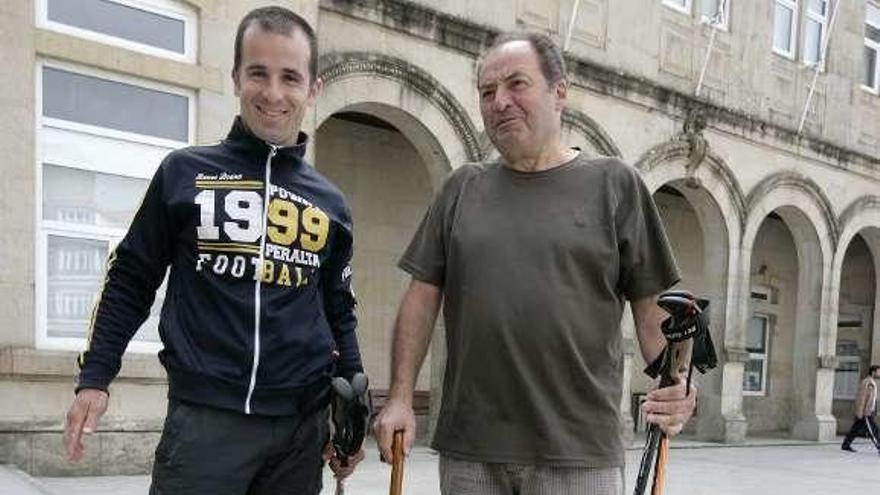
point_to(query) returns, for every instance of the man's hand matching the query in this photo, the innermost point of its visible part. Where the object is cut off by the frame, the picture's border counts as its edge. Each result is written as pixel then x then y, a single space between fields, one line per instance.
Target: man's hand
pixel 396 415
pixel 670 408
pixel 88 406
pixel 339 471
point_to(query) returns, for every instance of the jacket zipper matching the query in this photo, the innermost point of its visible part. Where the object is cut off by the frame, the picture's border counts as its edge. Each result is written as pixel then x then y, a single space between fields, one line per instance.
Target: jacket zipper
pixel 273 150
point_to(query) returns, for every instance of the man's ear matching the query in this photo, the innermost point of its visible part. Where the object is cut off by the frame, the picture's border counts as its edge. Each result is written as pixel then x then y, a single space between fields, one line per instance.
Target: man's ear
pixel 561 91
pixel 316 88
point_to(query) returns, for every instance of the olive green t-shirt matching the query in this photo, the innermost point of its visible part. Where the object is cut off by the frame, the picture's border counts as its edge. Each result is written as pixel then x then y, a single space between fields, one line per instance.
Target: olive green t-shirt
pixel 535 268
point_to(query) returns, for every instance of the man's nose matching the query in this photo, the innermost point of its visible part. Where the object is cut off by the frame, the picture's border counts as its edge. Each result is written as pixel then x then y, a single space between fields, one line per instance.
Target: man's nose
pixel 272 89
pixel 501 100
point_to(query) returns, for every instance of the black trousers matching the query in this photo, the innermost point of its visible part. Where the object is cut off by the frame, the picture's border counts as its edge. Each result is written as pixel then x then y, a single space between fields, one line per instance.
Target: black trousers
pixel 204 450
pixel 863 427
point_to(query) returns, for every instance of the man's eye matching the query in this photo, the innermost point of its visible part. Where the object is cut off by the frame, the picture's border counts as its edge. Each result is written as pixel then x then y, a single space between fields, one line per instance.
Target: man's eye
pixel 487 94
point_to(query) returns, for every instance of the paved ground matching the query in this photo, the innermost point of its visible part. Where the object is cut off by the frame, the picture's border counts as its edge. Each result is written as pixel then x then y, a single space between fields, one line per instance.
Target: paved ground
pixel 767 466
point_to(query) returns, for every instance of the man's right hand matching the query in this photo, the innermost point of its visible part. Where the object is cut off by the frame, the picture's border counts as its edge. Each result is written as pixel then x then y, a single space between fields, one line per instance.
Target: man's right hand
pixel 396 415
pixel 88 406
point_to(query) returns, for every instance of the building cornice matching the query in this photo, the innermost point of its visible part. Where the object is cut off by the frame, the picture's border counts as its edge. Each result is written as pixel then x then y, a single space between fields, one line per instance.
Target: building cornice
pixel 471 39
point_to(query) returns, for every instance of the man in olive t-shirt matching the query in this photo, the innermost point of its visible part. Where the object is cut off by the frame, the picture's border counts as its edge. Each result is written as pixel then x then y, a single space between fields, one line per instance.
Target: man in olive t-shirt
pixel 533 257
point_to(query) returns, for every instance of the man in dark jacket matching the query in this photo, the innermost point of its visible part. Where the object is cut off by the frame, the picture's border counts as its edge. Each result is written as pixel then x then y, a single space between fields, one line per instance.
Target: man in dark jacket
pixel 259 311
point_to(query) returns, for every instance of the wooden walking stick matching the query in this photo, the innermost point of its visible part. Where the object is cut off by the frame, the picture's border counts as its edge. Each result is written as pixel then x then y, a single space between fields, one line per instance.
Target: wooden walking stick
pixel 689 345
pixel 397 463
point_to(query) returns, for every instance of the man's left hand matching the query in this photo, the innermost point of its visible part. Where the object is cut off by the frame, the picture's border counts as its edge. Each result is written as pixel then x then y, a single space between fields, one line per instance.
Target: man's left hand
pixel 339 471
pixel 670 407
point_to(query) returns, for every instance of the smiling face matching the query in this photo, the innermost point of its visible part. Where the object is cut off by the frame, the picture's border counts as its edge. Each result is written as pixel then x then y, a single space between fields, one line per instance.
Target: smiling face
pixel 521 110
pixel 273 84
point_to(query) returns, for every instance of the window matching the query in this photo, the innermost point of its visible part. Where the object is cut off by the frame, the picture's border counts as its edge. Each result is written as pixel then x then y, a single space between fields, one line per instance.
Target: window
pixel 815 28
pixel 755 373
pixel 715 12
pixel 100 138
pixel 871 64
pixel 680 5
pixel 784 27
pixel 164 28
pixel 847 374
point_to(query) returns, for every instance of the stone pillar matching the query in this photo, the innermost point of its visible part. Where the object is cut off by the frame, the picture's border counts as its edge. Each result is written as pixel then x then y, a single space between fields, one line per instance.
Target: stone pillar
pixel 17 140
pixel 721 415
pixel 732 425
pixel 821 425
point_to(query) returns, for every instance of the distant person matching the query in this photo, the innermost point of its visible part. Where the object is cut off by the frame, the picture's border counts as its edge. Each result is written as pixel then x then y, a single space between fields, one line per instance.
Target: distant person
pixel 866 408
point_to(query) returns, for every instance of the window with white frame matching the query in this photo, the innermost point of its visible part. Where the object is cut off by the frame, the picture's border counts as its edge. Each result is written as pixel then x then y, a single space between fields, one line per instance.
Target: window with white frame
pixel 847 373
pixel 871 64
pixel 715 12
pixel 815 29
pixel 757 340
pixel 101 136
pixel 680 5
pixel 164 28
pixel 785 27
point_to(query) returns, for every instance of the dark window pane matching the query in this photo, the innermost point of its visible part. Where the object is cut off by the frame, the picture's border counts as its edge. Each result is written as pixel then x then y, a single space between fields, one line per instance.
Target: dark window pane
pixel 115 105
pixel 121 21
pixel 870 65
pixel 872 33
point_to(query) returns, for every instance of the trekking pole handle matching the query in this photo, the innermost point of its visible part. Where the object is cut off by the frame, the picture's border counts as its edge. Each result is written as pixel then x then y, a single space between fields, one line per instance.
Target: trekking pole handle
pixel 397 463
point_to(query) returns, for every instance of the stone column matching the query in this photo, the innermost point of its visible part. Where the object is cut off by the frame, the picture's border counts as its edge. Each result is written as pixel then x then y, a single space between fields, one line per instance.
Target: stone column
pixel 821 425
pixel 721 415
pixel 732 427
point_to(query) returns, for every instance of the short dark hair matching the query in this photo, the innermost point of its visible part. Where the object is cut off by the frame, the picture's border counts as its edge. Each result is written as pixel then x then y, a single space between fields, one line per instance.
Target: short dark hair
pixel 874 367
pixel 549 55
pixel 281 21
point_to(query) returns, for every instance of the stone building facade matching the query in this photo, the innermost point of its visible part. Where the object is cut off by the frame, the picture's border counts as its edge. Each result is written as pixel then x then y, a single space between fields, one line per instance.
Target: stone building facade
pixel 777 222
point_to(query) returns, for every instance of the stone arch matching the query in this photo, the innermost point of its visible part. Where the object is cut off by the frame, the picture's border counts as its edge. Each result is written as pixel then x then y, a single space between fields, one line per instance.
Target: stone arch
pixel 591 131
pixel 807 213
pixel 801 190
pixel 861 217
pixel 861 213
pixel 668 162
pixel 397 89
pixel 715 197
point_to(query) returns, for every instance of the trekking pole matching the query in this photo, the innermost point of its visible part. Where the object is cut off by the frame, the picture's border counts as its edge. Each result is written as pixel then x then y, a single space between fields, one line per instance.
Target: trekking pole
pixel 688 321
pixel 677 359
pixel 397 463
pixel 350 407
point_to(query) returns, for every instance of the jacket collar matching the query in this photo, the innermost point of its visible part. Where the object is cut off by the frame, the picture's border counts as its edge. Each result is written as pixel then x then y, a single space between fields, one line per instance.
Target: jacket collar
pixel 241 138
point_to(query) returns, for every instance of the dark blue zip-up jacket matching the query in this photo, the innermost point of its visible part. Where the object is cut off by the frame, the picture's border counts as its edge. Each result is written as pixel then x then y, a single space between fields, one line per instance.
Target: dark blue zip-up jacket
pixel 258 315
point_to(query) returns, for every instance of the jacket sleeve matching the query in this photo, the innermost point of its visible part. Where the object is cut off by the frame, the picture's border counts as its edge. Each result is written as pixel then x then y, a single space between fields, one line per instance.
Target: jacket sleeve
pixel 339 300
pixel 135 269
pixel 862 399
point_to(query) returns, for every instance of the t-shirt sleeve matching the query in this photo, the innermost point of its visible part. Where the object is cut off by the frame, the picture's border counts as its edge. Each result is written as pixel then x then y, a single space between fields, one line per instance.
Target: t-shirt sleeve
pixel 425 257
pixel 647 265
